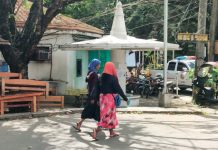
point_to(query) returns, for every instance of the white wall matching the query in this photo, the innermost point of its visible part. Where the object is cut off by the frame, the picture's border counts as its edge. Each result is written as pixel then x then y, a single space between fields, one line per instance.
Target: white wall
pixel 80 81
pixel 64 65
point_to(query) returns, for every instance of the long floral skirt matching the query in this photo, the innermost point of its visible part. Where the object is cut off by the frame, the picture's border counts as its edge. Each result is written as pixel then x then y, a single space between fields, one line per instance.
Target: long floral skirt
pixel 108 117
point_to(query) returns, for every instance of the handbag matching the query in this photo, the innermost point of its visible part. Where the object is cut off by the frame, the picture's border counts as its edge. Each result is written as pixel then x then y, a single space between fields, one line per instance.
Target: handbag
pixel 117 100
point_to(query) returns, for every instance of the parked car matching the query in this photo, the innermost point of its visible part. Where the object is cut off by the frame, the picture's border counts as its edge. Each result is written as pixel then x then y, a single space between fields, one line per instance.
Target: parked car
pixel 178 68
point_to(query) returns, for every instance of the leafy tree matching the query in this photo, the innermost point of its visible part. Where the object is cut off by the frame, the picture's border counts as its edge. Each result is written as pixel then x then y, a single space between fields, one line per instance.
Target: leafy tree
pixel 144 19
pixel 23 42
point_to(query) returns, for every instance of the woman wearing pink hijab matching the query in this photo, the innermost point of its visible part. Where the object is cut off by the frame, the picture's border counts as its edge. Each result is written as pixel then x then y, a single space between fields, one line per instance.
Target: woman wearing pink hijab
pixel 109 87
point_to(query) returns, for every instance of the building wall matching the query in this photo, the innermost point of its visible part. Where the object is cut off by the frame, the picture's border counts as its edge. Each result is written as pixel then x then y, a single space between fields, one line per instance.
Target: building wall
pixel 63 65
pixel 103 56
pixel 80 81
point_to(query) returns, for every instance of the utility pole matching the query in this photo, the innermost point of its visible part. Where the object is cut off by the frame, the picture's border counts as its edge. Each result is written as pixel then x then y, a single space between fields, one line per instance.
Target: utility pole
pixel 213 30
pixel 165 43
pixel 165 100
pixel 200 48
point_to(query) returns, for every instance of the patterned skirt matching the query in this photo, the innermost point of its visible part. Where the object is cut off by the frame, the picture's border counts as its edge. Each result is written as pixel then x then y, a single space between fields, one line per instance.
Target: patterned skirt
pixel 108 118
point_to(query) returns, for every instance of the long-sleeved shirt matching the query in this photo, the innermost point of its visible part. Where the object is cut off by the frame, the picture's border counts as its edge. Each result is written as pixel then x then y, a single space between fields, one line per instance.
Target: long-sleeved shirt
pixel 110 84
pixel 93 85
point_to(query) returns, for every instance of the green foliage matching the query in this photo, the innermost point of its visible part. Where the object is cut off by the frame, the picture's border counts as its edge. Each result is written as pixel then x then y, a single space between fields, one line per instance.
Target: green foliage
pixel 98 13
pixel 144 19
pixel 27 4
pixel 215 74
pixel 191 73
pixel 213 78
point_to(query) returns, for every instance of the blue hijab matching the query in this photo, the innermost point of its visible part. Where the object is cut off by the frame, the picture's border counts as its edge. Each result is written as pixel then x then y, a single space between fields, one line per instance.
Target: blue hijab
pixel 93 64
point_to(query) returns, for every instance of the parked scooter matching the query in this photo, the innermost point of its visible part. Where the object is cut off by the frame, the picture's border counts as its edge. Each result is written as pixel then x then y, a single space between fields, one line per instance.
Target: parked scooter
pixel 144 88
pixel 205 95
pixel 151 86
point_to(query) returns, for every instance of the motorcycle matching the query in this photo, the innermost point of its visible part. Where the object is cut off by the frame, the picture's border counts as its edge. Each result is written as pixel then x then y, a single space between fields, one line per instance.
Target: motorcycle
pixel 131 85
pixel 144 88
pixel 204 95
pixel 151 86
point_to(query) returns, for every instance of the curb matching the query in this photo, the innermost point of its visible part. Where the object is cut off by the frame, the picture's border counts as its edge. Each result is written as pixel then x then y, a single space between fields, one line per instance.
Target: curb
pixel 73 111
pixel 36 115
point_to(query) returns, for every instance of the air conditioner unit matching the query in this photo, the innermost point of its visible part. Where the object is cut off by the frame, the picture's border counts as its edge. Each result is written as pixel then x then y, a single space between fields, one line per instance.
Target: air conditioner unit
pixel 43 55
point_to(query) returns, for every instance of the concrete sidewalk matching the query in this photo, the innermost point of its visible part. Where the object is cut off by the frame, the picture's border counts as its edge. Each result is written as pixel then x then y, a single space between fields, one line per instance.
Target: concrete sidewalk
pixel 128 110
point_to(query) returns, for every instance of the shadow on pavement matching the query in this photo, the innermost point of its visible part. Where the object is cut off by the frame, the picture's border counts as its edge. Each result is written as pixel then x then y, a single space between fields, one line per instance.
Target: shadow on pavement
pixel 136 132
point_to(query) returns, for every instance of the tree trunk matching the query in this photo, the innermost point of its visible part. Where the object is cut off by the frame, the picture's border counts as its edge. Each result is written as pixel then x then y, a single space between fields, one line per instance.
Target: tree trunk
pixel 20 68
pixel 15 60
pixel 23 43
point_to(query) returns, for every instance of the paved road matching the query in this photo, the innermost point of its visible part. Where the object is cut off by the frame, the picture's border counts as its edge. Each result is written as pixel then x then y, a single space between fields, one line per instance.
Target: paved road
pixel 138 131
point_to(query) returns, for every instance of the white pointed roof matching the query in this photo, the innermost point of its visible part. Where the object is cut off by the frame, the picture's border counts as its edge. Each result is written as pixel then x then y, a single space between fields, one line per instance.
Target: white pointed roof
pixel 118 39
pixel 119 27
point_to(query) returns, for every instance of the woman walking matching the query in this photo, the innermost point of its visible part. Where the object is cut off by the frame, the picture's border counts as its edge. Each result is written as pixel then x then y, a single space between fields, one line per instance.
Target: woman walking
pixel 91 110
pixel 109 87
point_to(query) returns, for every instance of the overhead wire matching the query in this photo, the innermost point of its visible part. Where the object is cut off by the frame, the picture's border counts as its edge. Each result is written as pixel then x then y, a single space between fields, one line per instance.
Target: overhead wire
pixel 125 6
pixel 129 5
pixel 161 21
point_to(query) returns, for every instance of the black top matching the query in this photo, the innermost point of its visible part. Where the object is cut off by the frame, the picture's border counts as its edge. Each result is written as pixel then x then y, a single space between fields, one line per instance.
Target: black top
pixel 110 84
pixel 93 85
pixel 92 79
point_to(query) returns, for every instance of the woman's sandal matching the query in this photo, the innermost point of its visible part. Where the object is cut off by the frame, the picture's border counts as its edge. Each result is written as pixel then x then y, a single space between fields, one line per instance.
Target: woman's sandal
pixel 114 135
pixel 77 127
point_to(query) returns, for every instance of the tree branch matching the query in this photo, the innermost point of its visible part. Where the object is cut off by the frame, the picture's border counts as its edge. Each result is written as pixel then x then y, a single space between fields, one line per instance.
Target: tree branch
pixel 54 9
pixel 32 20
pixel 4 15
pixel 12 21
pixel 33 30
pixel 67 2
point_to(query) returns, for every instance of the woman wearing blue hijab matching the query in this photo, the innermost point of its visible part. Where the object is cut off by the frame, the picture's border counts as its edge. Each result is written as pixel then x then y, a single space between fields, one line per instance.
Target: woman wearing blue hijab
pixel 91 110
pixel 94 65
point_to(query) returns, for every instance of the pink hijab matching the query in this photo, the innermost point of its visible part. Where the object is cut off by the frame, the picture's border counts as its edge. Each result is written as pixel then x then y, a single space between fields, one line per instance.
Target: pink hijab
pixel 110 69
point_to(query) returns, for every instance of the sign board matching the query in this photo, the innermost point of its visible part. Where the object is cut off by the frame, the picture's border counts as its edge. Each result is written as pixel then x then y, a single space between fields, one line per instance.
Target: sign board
pixel 192 37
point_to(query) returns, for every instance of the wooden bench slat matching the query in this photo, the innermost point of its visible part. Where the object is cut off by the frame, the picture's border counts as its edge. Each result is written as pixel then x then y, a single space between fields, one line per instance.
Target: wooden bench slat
pixel 10 75
pixel 22 95
pixel 25 82
pixel 50 101
pixel 17 105
pixel 24 85
pixel 50 98
pixel 25 89
pixel 31 99
pixel 23 99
